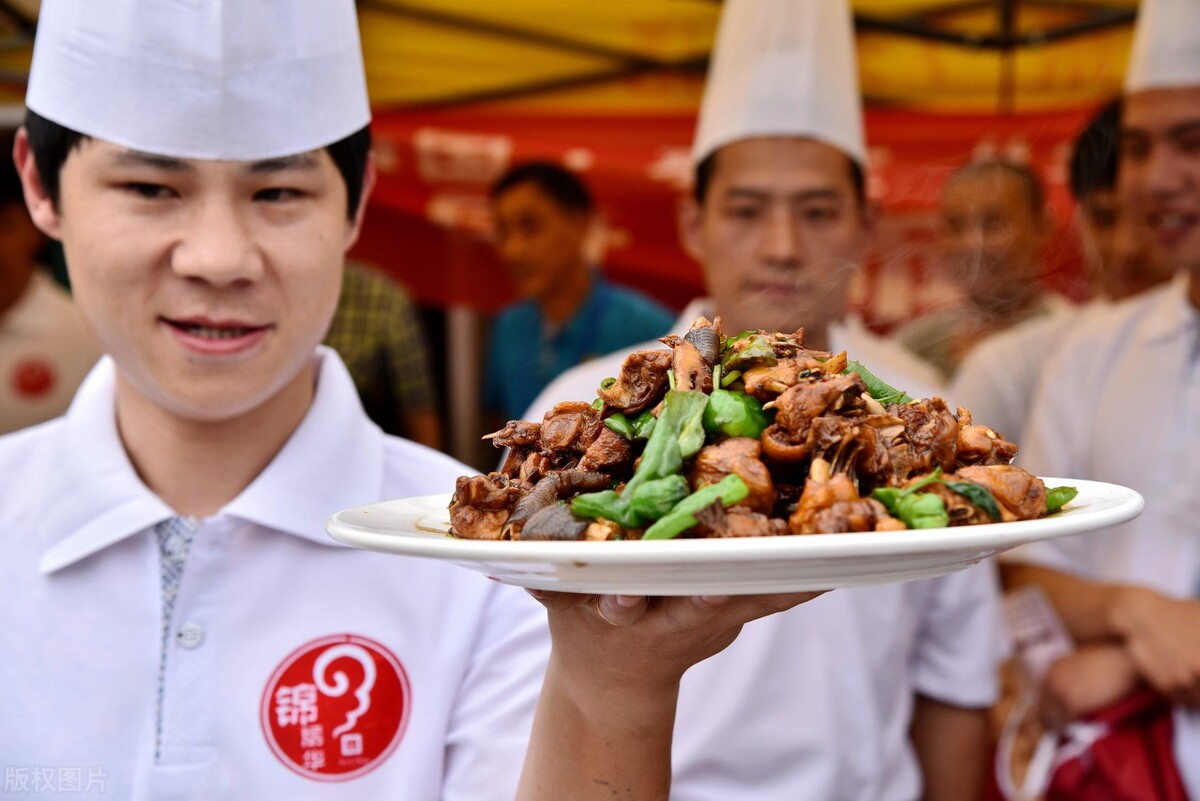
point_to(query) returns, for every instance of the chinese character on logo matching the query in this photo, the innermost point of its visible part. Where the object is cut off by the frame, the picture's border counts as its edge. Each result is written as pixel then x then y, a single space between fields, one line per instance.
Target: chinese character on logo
pixel 314 759
pixel 312 736
pixel 296 705
pixel 352 744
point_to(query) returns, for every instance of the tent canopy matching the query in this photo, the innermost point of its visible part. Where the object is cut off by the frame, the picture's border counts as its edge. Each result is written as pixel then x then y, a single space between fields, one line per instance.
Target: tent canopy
pixel 948 55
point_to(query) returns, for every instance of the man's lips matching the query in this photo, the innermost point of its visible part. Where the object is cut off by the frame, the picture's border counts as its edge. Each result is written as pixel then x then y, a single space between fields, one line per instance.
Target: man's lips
pixel 1170 224
pixel 209 335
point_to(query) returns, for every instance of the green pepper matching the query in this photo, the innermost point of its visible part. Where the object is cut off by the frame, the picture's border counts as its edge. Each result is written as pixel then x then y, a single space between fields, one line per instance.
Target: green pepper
pixel 609 505
pixel 923 510
pixel 877 388
pixel 728 491
pixel 733 414
pixel 1058 497
pixel 620 424
pixel 644 423
pixel 915 509
pixel 749 349
pixel 729 378
pixel 598 404
pixel 690 417
pixel 608 382
pixel 655 498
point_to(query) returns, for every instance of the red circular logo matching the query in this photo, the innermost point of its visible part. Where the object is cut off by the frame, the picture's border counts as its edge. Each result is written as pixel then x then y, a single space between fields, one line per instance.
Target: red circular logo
pixel 32 377
pixel 336 707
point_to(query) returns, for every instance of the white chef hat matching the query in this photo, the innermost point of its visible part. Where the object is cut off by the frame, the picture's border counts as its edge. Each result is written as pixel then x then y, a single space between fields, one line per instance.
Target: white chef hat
pixel 783 68
pixel 241 80
pixel 1166 46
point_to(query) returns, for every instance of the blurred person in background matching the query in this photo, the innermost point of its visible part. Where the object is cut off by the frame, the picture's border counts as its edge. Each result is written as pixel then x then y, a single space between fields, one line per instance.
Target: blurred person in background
pixel 1119 401
pixel 45 349
pixel 567 312
pixel 1120 256
pixel 880 693
pixel 377 332
pixel 993 229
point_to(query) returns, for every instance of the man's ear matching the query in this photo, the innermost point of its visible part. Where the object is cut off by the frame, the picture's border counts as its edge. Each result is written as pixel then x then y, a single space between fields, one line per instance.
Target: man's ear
pixel 688 217
pixel 41 207
pixel 368 184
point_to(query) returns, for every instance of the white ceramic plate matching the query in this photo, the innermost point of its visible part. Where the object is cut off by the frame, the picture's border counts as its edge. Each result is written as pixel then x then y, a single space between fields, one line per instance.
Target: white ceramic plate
pixel 419 527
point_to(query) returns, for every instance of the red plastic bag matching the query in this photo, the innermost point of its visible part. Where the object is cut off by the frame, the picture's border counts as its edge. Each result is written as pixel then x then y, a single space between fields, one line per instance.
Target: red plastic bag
pixel 1123 753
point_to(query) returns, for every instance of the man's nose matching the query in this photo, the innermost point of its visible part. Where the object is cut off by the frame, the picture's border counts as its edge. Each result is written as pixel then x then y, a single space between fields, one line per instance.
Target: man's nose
pixel 216 246
pixel 782 241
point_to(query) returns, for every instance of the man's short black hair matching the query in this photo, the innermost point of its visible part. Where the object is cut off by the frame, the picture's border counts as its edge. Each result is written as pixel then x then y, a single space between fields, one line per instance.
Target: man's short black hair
pixel 705 169
pixel 563 186
pixel 51 143
pixel 1094 160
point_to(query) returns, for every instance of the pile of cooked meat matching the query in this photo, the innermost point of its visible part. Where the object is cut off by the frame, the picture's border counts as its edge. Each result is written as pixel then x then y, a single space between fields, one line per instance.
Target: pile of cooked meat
pixel 751 435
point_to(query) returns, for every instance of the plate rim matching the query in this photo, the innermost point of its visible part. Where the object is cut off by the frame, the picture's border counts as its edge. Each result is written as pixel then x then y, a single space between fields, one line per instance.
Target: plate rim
pixel 988 536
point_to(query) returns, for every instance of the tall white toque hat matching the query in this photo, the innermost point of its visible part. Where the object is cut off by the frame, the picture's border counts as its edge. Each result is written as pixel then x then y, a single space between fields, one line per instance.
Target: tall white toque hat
pixel 1166 46
pixel 783 68
pixel 239 80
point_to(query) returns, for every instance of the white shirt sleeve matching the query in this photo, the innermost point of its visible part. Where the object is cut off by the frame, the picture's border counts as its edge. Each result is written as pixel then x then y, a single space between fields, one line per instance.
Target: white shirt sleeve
pixel 961 639
pixel 490 728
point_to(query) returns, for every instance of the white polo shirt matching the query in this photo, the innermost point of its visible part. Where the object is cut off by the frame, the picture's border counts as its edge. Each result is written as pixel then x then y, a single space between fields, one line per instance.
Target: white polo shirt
pixel 1120 401
pixel 296 668
pixel 816 703
pixel 45 352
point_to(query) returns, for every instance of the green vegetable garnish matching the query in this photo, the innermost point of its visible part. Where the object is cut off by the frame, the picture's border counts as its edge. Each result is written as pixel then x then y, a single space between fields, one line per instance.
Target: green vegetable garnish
pixel 978 495
pixel 1058 497
pixel 655 498
pixel 733 414
pixel 728 491
pixel 620 424
pixel 881 391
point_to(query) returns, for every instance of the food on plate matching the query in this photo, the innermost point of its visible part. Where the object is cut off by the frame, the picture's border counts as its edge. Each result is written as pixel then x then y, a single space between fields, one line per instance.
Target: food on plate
pixel 749 435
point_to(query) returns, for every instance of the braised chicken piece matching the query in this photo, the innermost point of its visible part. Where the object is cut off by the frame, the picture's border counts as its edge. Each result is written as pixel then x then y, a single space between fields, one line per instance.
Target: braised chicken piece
pixel 522 439
pixel 822 490
pixel 787 439
pixel 980 445
pixel 570 428
pixel 610 453
pixel 766 383
pixel 481 504
pixel 843 517
pixel 551 488
pixel 737 521
pixel 535 466
pixel 830 504
pixel 933 432
pixel 554 522
pixel 1020 494
pixel 516 434
pixel 641 384
pixel 740 455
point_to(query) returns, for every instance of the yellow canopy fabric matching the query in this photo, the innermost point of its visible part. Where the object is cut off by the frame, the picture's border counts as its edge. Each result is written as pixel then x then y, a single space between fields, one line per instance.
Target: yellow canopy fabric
pixel 583 53
pixel 553 53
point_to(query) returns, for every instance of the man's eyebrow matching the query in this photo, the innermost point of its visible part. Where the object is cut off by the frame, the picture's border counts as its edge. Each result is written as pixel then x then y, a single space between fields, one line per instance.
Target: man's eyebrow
pixel 1184 129
pixel 301 161
pixel 822 193
pixel 136 158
